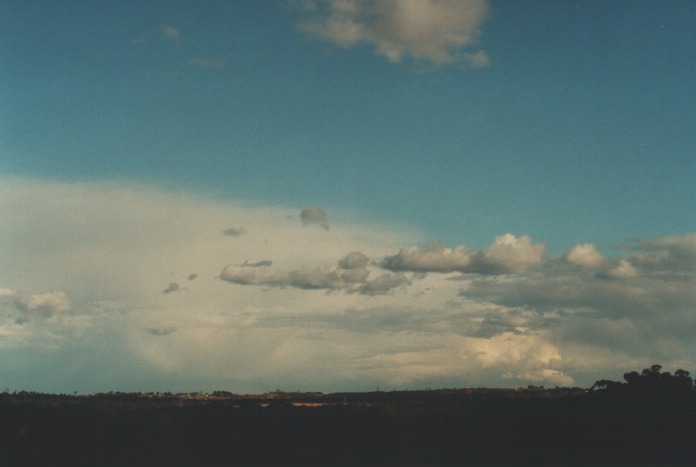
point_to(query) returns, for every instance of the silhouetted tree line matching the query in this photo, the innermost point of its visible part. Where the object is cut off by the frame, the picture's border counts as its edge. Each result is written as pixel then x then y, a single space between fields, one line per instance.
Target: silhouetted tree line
pixel 604 426
pixel 651 382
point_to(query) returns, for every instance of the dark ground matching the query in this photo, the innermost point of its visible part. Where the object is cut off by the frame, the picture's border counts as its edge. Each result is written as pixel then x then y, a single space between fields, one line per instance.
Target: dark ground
pixel 453 427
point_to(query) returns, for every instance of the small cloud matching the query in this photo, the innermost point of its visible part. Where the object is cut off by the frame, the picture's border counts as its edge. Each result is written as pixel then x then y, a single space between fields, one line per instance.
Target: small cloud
pixel 584 255
pixel 314 215
pixel 624 270
pixel 256 263
pixel 165 331
pixel 478 60
pixel 171 33
pixel 173 287
pixel 234 231
pixel 510 254
pixel 207 63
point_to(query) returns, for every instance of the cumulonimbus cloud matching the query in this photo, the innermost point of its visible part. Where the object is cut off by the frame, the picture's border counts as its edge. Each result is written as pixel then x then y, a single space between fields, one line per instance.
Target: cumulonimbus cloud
pixel 438 31
pixel 576 316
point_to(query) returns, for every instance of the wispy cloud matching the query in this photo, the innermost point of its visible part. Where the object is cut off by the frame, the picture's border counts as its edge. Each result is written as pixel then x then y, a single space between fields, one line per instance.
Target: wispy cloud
pixel 171 33
pixel 438 31
pixel 206 63
pixel 166 32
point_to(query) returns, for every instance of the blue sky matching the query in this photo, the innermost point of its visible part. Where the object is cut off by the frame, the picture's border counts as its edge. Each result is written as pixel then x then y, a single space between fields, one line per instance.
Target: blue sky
pixel 466 147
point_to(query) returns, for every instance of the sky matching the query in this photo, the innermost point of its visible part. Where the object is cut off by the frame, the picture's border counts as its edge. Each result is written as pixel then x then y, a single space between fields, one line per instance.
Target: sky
pixel 345 195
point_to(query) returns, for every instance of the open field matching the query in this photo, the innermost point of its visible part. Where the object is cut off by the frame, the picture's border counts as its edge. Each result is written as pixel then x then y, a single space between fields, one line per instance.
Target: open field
pixel 442 427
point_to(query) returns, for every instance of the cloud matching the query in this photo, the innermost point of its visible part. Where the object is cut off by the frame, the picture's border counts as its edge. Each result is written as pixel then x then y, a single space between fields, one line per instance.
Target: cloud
pixel 314 215
pixel 234 231
pixel 354 260
pixel 584 255
pixel 612 306
pixel 507 254
pixel 676 253
pixel 161 331
pixel 299 308
pixel 166 32
pixel 171 33
pixel 623 270
pixel 206 63
pixel 257 263
pixel 437 31
pixel 172 287
pixel 511 254
pixel 383 283
pixel 477 60
pixel 23 308
pixel 431 258
pixel 350 275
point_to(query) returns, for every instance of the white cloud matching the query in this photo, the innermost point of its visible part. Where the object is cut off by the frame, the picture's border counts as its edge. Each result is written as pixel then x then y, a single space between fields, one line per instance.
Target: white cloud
pixel 624 270
pixel 431 258
pixel 511 254
pixel 613 309
pixel 506 254
pixel 437 31
pixel 585 255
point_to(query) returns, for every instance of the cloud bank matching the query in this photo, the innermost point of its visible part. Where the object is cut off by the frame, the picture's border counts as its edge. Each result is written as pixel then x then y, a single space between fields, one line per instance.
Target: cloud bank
pixel 84 288
pixel 437 31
